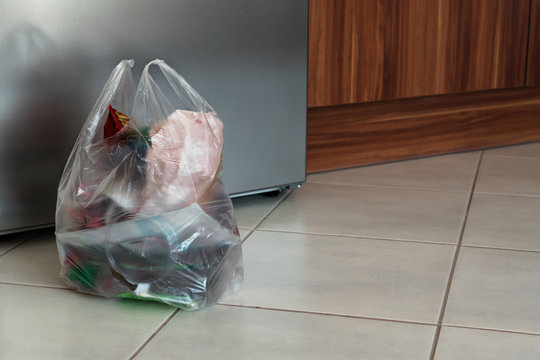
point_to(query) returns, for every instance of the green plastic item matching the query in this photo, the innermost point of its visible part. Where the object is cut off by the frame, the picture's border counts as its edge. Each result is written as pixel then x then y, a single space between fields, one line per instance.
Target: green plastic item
pixel 86 275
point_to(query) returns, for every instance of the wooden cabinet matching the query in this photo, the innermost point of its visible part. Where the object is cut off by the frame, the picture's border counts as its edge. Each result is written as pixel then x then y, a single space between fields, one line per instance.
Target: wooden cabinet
pixel 368 50
pixel 374 66
pixel 533 63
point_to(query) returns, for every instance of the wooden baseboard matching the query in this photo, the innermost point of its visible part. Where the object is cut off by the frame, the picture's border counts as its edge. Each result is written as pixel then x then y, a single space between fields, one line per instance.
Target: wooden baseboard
pixel 367 133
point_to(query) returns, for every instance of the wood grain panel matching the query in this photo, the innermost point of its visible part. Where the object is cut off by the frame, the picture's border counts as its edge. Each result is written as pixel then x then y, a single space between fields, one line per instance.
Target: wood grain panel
pixel 385 49
pixel 330 72
pixel 487 44
pixel 358 134
pixel 533 63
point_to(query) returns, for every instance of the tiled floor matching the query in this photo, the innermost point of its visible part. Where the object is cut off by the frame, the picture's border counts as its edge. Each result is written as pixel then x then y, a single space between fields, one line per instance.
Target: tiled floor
pixel 436 258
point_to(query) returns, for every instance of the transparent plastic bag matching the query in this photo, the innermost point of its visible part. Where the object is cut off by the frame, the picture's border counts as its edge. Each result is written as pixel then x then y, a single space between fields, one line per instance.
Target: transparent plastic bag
pixel 141 210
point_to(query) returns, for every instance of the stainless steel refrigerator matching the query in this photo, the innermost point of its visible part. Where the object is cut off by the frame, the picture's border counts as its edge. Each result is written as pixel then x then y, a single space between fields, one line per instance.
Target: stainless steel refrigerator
pixel 247 58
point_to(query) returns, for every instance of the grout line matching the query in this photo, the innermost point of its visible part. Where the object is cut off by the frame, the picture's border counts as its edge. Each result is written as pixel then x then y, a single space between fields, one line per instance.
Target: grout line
pixel 415 188
pixel 288 192
pixel 514 156
pixel 454 261
pixel 410 322
pixel 300 232
pixel 398 240
pixel 21 241
pixel 11 248
pixel 243 239
pixel 505 194
pixel 34 285
pixel 153 335
pixel 493 330
pixel 363 237
pixel 500 248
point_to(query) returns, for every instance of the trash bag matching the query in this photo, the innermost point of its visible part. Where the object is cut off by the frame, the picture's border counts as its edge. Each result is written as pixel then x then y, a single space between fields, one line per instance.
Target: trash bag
pixel 141 210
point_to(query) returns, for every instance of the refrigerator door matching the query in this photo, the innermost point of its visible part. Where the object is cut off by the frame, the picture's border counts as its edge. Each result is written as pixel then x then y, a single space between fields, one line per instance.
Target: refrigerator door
pixel 247 58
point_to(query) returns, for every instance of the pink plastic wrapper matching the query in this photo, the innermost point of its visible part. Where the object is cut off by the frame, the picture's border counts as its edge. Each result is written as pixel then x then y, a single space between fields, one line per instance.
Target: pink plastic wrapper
pixel 186 137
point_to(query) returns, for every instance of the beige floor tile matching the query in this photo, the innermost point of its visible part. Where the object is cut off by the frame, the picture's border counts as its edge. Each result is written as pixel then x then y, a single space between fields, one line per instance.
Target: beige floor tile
pixel 8 244
pixel 249 210
pixel 495 289
pixel 509 175
pixel 243 233
pixel 9 241
pixel 468 344
pixel 35 262
pixel 449 172
pixel 348 276
pixel 433 216
pixel 504 221
pixel 242 333
pixel 526 150
pixel 40 323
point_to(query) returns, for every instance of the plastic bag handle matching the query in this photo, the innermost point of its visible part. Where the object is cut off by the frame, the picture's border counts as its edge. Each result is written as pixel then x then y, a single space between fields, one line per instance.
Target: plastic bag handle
pixel 178 84
pixel 180 87
pixel 104 101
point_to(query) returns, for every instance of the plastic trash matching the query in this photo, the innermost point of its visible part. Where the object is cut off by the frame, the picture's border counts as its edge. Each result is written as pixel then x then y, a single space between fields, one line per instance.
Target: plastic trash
pixel 142 212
